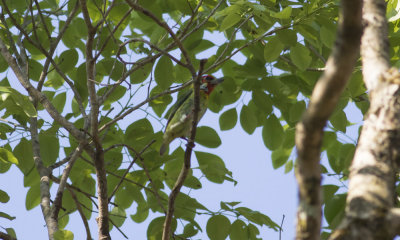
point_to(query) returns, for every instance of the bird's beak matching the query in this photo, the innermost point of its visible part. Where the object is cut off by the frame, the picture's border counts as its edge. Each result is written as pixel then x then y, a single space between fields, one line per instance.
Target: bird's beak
pixel 217 81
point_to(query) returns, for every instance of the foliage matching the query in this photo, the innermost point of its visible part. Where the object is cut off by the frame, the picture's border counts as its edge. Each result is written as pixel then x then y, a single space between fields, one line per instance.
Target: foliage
pixel 284 45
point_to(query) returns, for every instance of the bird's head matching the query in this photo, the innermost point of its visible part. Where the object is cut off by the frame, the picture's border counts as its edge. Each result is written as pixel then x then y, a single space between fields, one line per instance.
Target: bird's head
pixel 208 83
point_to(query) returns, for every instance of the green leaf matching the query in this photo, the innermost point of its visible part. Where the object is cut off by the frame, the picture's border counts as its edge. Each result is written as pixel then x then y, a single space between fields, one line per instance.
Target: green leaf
pixel 141 74
pixel 4 197
pixel 5 215
pixel 327 36
pixel 300 56
pixel 334 209
pixel 49 147
pixel 163 73
pixel 118 216
pixel 284 14
pixel 123 198
pixel 23 152
pixel 3 64
pixel 23 102
pixel 59 101
pixel 207 137
pixel 339 121
pixel 11 232
pixel 218 227
pixel 35 69
pixel 328 191
pixel 230 20
pixel 7 156
pixel 288 166
pixel 228 119
pixel 273 49
pixel 142 212
pixel 67 60
pixel 257 217
pixel 155 228
pixel 248 120
pixel 32 197
pixel 212 166
pixel 139 134
pixel 189 231
pixel 296 111
pixel 287 36
pixel 279 157
pixel 272 133
pixel 159 104
pixel 63 235
pixel 238 230
pixel 262 101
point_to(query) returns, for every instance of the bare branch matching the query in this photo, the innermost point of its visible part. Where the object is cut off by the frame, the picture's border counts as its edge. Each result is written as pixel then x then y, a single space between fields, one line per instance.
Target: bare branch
pixel 44 173
pixel 64 177
pixel 309 131
pixel 79 208
pixel 188 153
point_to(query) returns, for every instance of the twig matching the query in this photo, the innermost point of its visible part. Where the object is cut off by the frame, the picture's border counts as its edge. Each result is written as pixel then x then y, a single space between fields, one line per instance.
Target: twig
pixel 280 228
pixel 80 211
pixel 186 165
pixel 138 155
pixel 64 177
pixel 164 25
pixel 152 46
pixel 119 230
pixel 116 119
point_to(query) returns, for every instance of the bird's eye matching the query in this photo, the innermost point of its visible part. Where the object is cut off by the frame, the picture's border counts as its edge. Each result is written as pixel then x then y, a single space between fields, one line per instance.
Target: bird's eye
pixel 209 78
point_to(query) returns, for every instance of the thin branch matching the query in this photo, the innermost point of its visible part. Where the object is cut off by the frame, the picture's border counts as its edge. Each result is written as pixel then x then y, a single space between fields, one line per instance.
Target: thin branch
pixel 98 154
pixel 309 130
pixel 154 57
pixel 64 177
pixel 169 30
pixel 188 153
pixel 116 119
pixel 152 46
pixel 280 228
pixel 34 93
pixel 46 29
pixel 119 230
pixel 111 35
pixel 138 155
pixel 80 211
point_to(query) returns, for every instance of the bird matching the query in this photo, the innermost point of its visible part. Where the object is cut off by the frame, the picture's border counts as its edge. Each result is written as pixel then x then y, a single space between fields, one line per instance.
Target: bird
pixel 181 117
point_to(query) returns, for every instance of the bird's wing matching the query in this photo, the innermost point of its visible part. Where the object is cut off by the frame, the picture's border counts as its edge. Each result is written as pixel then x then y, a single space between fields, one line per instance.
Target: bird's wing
pixel 181 99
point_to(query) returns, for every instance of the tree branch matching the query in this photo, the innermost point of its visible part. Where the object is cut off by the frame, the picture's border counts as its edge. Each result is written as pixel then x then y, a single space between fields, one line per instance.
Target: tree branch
pixel 138 155
pixel 188 153
pixel 44 173
pixel 171 33
pixel 39 96
pixel 309 131
pixel 63 181
pixel 374 43
pixel 83 217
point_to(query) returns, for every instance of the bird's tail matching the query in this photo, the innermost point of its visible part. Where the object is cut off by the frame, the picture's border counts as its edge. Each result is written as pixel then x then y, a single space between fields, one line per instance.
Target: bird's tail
pixel 163 148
